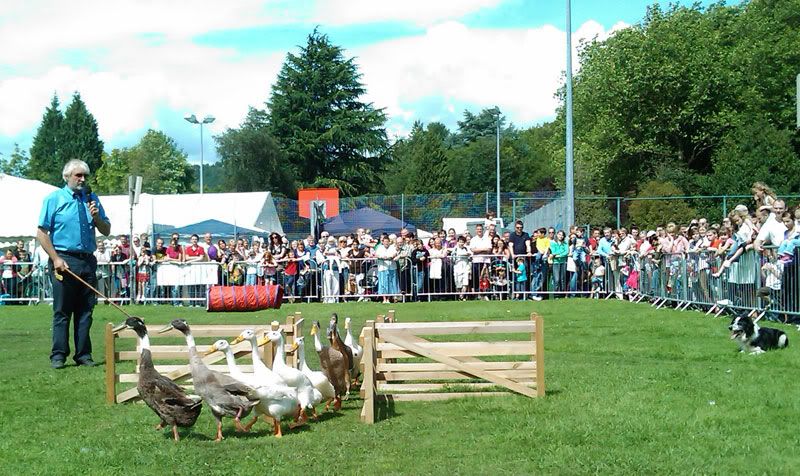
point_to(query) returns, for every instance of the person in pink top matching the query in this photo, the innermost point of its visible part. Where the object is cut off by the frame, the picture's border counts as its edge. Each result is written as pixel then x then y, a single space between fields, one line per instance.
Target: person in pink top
pixel 194 253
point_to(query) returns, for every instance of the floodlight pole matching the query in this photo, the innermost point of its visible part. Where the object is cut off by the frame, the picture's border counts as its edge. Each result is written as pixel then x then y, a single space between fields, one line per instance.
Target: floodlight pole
pixel 497 215
pixel 570 184
pixel 206 120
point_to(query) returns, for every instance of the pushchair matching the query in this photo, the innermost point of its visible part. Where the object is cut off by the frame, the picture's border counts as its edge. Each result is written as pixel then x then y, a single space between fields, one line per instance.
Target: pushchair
pixel 369 283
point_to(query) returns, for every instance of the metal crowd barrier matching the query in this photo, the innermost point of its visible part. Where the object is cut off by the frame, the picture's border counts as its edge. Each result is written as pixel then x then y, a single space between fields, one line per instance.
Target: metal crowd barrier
pixel 766 284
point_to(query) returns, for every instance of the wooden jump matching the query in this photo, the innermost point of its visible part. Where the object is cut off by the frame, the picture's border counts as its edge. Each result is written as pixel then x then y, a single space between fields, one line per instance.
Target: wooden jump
pixel 172 359
pixel 451 369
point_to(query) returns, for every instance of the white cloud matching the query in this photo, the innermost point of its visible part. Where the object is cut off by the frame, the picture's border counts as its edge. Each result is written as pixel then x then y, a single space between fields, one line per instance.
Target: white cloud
pixel 518 70
pixel 33 30
pixel 126 78
pixel 421 12
pixel 126 92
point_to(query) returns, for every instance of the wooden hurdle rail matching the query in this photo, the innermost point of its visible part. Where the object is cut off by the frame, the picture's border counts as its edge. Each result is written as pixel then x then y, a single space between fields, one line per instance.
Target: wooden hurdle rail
pixel 175 358
pixel 386 378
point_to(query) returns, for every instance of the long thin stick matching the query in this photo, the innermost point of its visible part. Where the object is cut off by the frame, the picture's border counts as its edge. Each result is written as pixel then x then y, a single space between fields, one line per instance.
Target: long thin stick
pixel 98 292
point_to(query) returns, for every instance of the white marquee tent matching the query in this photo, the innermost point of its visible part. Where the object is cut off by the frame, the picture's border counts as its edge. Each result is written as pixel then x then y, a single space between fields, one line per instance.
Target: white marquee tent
pixel 23 198
pixel 22 202
pixel 253 210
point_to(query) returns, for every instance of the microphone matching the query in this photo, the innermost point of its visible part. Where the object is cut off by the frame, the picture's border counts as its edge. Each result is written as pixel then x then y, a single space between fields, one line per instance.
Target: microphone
pixel 87 191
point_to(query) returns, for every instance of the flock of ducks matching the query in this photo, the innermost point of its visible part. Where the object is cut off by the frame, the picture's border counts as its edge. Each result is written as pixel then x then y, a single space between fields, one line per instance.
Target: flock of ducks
pixel 280 393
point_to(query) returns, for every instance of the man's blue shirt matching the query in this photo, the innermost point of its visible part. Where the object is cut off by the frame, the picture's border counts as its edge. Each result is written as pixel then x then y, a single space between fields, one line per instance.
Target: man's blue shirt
pixel 604 247
pixel 61 217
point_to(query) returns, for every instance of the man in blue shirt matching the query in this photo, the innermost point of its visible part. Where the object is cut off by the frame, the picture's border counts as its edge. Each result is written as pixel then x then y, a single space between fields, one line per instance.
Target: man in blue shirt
pixel 67 233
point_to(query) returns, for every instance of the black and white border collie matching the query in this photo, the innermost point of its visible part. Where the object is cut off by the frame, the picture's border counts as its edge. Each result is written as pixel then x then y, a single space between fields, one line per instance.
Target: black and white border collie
pixel 753 339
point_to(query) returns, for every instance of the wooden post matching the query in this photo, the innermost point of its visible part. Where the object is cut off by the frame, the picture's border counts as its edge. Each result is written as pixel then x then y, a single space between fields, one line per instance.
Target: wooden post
pixel 269 349
pixel 539 337
pixel 290 358
pixel 111 377
pixel 390 316
pixel 298 332
pixel 380 319
pixel 368 381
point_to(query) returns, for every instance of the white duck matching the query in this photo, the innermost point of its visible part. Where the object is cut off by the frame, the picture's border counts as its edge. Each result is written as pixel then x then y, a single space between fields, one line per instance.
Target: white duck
pixel 318 378
pixel 358 352
pixel 306 393
pixel 276 401
pixel 260 370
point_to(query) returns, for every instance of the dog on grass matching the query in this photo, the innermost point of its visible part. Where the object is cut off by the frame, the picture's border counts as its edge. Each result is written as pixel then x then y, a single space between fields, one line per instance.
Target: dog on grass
pixel 754 339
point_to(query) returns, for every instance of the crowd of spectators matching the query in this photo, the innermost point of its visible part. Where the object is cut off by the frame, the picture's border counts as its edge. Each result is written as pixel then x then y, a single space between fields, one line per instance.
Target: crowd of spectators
pixel 485 264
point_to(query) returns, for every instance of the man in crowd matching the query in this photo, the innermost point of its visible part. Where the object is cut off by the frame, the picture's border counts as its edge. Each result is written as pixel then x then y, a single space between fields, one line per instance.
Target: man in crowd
pixel 210 248
pixel 481 247
pixel 773 229
pixel 66 232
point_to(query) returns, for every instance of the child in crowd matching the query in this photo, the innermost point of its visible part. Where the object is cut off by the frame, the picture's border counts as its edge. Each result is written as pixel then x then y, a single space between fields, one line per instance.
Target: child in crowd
pixel 598 277
pixel 500 281
pixel 771 277
pixel 145 267
pixel 484 283
pixel 520 279
pixel 461 267
pixel 270 267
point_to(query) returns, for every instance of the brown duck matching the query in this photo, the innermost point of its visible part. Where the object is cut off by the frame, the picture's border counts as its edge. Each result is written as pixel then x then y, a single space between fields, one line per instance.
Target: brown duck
pixel 338 344
pixel 224 395
pixel 162 395
pixel 333 365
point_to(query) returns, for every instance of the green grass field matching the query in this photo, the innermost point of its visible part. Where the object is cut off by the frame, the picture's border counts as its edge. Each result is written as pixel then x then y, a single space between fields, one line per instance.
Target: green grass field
pixel 629 390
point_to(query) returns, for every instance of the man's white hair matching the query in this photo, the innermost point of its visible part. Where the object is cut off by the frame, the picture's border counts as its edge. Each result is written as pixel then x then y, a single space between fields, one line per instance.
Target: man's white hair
pixel 71 166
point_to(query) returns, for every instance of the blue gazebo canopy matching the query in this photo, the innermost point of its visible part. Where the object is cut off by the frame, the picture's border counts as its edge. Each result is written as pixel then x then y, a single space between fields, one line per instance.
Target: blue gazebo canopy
pixel 215 227
pixel 373 220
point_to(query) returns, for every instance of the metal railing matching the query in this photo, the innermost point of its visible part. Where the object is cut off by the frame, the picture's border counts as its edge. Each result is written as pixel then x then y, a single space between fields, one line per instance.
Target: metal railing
pixel 765 283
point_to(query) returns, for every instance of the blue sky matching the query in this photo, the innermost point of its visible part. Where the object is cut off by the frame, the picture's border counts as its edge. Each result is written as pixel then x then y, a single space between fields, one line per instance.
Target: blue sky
pixel 141 65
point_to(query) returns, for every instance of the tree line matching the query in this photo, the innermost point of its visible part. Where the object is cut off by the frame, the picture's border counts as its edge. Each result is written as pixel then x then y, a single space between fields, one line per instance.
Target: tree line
pixel 690 101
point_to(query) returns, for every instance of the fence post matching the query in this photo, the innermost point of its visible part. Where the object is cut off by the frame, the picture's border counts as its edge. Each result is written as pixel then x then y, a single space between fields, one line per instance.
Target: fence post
pixel 111 378
pixel 403 208
pixel 513 211
pixel 724 206
pixel 618 221
pixel 368 382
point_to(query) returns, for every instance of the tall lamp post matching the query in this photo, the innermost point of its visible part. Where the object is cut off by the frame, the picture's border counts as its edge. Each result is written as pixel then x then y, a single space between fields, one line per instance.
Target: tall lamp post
pixel 570 185
pixel 206 120
pixel 497 215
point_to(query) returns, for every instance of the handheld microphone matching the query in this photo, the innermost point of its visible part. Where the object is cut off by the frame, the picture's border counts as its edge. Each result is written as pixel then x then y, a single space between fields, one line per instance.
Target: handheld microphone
pixel 87 190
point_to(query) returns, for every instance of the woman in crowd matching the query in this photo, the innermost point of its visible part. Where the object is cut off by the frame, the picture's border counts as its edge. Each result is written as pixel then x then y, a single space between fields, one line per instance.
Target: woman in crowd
pixel 436 256
pixel 329 260
pixel 302 258
pixel 386 254
pixel 419 264
pixel 763 195
pixel 559 250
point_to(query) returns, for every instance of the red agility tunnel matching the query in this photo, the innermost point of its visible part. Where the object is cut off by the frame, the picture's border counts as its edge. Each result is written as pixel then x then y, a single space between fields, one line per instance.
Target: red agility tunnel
pixel 244 298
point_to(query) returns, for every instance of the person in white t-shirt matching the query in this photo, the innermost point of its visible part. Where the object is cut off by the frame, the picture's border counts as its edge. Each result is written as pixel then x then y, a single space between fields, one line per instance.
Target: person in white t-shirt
pixel 481 247
pixel 773 229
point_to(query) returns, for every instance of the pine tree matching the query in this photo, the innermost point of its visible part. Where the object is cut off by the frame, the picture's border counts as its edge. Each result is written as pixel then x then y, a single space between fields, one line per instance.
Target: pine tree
pixel 17 163
pixel 329 135
pixel 78 137
pixel 45 162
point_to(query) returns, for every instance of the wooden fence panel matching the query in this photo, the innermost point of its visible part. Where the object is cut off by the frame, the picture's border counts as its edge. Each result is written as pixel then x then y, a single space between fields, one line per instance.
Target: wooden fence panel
pixel 455 368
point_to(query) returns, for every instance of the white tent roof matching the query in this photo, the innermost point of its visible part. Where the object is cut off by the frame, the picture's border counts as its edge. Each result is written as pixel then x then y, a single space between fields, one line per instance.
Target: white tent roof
pixel 254 210
pixel 22 200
